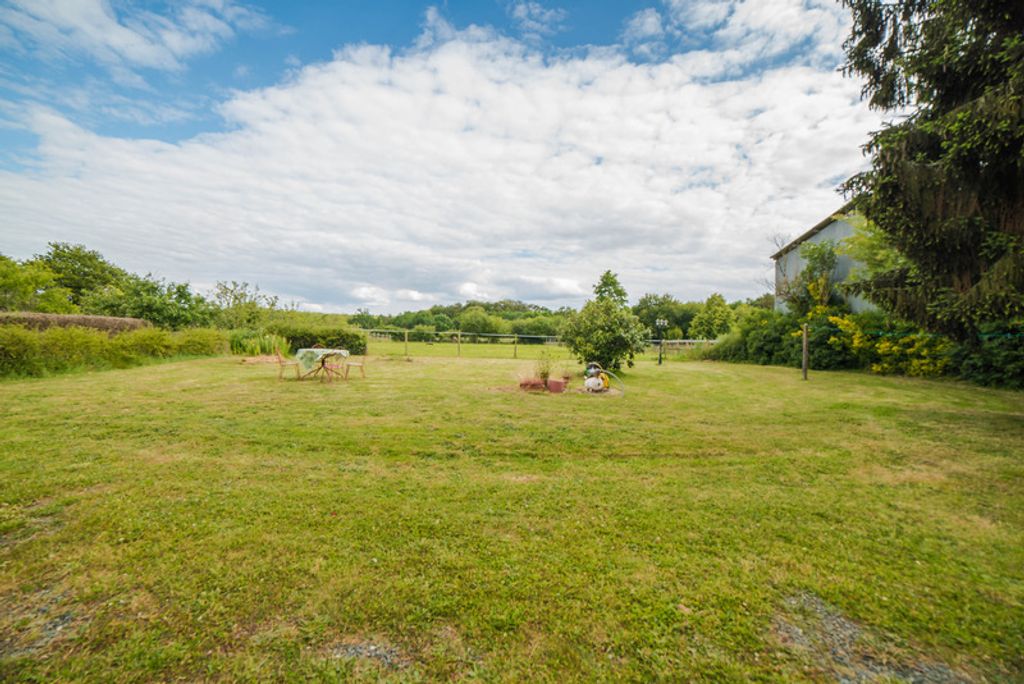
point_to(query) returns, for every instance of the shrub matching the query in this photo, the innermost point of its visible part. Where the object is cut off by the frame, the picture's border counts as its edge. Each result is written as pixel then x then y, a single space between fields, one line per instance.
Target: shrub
pixel 998 357
pixel 820 330
pixel 58 349
pixel 536 326
pixel 891 348
pixel 732 347
pixel 605 332
pixel 131 347
pixel 201 342
pixel 64 349
pixel 301 337
pixel 19 351
pixel 41 321
pixel 763 337
pixel 422 333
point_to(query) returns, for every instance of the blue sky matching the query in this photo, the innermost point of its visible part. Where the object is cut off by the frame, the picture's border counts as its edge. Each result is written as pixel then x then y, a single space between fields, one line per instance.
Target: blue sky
pixel 394 154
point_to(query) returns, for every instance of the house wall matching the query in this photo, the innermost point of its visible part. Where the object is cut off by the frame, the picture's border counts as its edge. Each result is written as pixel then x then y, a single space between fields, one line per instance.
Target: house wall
pixel 790 264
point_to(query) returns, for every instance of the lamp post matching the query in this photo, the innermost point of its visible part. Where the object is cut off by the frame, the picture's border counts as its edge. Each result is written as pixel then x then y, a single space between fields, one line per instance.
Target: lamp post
pixel 661 324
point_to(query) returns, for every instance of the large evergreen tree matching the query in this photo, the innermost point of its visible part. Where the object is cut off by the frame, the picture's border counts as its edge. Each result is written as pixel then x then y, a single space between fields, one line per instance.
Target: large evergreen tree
pixel 946 183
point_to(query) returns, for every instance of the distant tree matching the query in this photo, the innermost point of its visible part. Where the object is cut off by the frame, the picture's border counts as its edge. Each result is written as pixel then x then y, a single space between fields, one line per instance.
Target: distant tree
pixel 79 269
pixel 714 319
pixel 651 307
pixel 609 287
pixel 167 305
pixel 31 286
pixel 241 305
pixel 443 322
pixel 541 326
pixel 363 319
pixel 946 183
pixel 765 301
pixel 606 332
pixel 476 320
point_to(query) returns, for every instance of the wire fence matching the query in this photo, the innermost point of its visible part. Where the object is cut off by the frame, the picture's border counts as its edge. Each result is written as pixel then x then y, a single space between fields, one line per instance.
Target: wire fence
pixel 391 342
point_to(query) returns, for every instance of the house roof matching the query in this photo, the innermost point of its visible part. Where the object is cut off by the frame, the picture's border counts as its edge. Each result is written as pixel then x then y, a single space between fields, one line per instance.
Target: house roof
pixel 818 227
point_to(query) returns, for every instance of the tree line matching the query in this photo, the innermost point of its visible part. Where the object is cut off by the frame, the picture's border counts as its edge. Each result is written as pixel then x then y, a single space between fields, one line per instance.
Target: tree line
pixel 70 278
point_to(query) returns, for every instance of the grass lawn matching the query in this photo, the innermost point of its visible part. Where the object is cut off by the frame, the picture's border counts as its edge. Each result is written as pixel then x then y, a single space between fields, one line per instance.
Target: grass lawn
pixel 202 520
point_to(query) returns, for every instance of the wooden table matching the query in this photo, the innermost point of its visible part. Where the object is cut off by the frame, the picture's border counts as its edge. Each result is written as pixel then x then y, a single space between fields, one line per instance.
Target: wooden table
pixel 313 363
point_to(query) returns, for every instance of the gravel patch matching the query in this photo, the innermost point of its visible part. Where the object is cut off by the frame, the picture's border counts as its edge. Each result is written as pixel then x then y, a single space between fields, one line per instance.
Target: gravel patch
pixel 385 656
pixel 848 652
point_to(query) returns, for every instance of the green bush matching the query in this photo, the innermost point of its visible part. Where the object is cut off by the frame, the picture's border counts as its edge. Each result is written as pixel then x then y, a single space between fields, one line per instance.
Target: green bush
pixel 59 349
pixel 997 359
pixel 537 326
pixel 820 329
pixel 764 337
pixel 605 332
pixel 422 333
pixel 145 342
pixel 201 342
pixel 20 351
pixel 74 348
pixel 732 347
pixel 301 337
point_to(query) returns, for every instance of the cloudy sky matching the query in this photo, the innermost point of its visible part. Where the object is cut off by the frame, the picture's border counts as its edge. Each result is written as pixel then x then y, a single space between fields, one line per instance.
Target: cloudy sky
pixel 391 154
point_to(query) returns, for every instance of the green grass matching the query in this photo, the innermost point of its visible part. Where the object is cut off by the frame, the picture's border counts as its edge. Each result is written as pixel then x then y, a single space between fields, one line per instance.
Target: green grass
pixel 202 520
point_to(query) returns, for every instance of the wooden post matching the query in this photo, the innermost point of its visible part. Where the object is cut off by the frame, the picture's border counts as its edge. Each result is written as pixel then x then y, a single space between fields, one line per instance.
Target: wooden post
pixel 458 341
pixel 515 346
pixel 406 344
pixel 806 360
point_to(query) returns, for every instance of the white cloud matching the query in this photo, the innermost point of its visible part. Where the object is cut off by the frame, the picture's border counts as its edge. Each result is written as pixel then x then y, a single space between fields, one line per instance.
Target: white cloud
pixel 467 167
pixel 414 296
pixel 749 31
pixel 643 25
pixel 699 14
pixel 644 33
pixel 472 291
pixel 370 295
pixel 126 38
pixel 534 19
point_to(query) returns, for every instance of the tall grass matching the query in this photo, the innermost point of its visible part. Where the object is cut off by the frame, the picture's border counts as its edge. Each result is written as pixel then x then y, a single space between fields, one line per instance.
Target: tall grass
pixel 257 343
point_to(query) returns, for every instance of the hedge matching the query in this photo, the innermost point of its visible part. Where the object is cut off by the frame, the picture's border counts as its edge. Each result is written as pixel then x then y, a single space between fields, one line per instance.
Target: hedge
pixel 42 321
pixel 27 352
pixel 335 337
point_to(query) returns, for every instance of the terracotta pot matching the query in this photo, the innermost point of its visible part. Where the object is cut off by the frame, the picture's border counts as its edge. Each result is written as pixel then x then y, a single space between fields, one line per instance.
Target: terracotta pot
pixel 531 384
pixel 556 386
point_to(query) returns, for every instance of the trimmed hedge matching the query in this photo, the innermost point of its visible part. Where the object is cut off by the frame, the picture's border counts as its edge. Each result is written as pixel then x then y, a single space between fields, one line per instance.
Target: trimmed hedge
pixel 26 352
pixel 42 321
pixel 301 337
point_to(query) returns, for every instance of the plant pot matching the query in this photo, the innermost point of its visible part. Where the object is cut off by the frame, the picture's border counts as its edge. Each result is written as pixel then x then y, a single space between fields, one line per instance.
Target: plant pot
pixel 556 386
pixel 531 384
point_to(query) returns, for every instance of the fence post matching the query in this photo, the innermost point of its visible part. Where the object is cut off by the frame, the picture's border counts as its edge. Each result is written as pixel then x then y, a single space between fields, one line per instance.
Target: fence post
pixel 406 344
pixel 515 347
pixel 458 341
pixel 806 355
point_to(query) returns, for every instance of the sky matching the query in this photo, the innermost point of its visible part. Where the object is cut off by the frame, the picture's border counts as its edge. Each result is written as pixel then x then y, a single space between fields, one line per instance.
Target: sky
pixel 391 154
